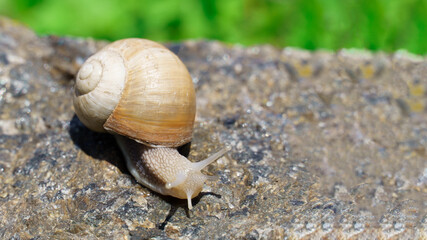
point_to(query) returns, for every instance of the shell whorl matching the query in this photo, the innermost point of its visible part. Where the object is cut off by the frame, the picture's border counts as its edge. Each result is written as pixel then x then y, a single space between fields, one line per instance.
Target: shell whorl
pixel 139 89
pixel 98 88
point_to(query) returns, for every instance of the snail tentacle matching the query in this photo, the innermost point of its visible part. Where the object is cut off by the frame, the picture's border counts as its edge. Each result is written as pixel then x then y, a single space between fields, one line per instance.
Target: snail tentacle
pixel 197 166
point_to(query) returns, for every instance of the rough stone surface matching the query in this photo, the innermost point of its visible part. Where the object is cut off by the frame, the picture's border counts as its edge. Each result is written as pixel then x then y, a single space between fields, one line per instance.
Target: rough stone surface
pixel 324 144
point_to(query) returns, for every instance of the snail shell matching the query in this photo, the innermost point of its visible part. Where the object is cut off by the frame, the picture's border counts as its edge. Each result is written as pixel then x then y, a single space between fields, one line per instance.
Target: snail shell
pixel 139 89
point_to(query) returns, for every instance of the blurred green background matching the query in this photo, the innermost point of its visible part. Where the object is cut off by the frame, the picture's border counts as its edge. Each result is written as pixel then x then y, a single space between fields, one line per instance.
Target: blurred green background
pixel 311 24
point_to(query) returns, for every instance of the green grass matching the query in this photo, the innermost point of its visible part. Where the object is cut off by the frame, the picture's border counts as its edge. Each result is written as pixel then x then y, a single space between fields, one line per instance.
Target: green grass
pixel 385 25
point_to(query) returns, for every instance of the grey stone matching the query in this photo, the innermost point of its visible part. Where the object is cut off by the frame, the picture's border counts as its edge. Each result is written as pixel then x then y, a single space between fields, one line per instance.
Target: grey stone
pixel 324 145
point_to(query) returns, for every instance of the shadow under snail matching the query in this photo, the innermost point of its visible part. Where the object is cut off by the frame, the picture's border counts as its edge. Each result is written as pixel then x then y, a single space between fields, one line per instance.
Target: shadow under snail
pixel 142 93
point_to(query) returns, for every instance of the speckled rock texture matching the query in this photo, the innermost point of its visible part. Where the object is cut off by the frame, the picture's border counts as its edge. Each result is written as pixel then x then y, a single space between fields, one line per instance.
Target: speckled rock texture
pixel 325 145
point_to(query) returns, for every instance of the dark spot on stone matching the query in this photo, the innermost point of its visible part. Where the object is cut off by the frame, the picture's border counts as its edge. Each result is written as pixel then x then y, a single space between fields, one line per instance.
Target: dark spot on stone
pixel 82 192
pixel 142 233
pixel 243 212
pixel 229 121
pixel 16 236
pixel 317 206
pixel 20 77
pixel 91 186
pixel 13 141
pixel 292 71
pixel 258 171
pixel 99 195
pixel 19 171
pixel 35 161
pixel 249 200
pixel 248 155
pixel 36 238
pixel 360 172
pixel 373 98
pixel 253 235
pixel 399 182
pixel 331 206
pixel 19 87
pixel 42 184
pixel 3 59
pixel 58 195
pixel 223 178
pixel 193 230
pixel 93 217
pixel 296 202
pixel 130 211
pixel 18 184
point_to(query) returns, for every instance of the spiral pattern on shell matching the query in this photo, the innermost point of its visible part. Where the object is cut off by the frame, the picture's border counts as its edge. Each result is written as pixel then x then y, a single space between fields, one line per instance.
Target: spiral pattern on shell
pixel 98 87
pixel 139 89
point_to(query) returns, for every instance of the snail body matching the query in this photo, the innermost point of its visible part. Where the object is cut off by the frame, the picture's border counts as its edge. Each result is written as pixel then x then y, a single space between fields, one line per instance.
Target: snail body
pixel 142 93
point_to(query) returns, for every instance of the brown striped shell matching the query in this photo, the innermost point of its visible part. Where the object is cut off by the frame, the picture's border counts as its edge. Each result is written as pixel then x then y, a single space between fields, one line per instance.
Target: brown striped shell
pixel 139 89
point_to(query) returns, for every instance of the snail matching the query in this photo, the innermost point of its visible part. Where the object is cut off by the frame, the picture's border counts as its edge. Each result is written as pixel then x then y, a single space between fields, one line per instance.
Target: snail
pixel 142 93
